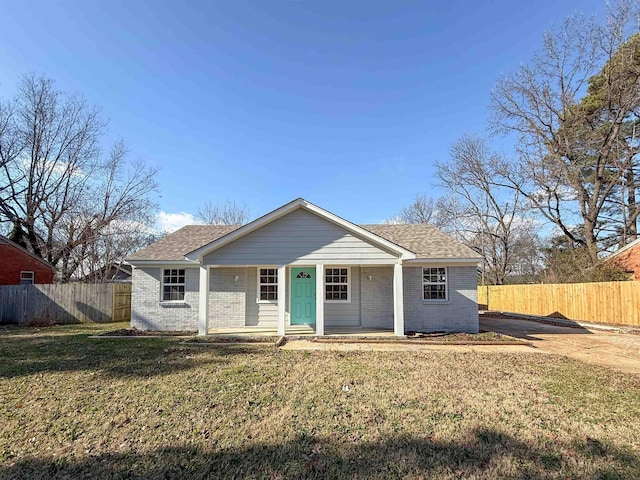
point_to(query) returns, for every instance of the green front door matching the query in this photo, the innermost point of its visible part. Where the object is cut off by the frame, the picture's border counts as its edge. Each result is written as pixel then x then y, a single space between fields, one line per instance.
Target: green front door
pixel 303 296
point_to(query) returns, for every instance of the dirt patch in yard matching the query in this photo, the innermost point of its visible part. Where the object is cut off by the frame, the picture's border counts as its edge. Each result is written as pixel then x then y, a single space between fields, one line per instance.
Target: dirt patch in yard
pixel 132 332
pixel 221 339
pixel 483 336
pixel 437 338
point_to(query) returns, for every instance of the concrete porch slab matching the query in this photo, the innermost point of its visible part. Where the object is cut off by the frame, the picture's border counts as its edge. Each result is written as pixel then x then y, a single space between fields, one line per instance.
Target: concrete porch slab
pixel 301 331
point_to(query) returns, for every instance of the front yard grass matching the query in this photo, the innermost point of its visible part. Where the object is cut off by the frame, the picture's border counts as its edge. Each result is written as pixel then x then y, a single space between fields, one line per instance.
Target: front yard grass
pixel 74 407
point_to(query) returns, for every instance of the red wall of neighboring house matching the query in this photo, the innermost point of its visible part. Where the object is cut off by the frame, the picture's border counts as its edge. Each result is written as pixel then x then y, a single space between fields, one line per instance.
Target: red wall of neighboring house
pixel 13 261
pixel 630 261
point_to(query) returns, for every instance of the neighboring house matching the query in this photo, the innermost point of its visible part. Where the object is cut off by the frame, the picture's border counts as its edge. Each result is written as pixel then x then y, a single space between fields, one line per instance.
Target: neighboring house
pixel 19 266
pixel 302 265
pixel 116 273
pixel 628 257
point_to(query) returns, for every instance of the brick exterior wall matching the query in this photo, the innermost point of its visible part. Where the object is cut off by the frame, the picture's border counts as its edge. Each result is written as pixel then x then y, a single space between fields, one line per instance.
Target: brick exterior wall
pixel 13 261
pixel 227 297
pixel 148 313
pixel 229 302
pixel 376 297
pixel 630 261
pixel 458 314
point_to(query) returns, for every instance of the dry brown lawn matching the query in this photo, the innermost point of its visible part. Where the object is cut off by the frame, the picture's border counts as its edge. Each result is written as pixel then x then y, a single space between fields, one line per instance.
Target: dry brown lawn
pixel 74 407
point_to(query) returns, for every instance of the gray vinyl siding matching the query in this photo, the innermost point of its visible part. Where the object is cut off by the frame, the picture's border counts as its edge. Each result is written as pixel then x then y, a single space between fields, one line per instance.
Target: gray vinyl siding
pixel 251 307
pixel 300 237
pixel 377 297
pixel 458 314
pixel 258 313
pixel 338 314
pixel 267 314
pixel 148 313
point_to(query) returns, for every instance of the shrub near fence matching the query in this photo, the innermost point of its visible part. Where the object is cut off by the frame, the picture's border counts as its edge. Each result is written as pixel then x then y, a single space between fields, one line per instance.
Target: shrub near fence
pixel 65 303
pixel 605 302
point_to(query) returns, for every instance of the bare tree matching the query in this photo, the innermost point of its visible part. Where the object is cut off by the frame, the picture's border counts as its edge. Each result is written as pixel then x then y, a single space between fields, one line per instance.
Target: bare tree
pixel 97 260
pixel 485 215
pixel 229 213
pixel 577 151
pixel 423 210
pixel 57 191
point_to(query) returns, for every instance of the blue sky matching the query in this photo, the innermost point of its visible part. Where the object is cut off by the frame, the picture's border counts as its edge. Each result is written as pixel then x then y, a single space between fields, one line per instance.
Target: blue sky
pixel 348 104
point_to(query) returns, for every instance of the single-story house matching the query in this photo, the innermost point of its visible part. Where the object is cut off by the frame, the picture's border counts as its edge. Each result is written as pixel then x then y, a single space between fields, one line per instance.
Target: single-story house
pixel 20 266
pixel 302 265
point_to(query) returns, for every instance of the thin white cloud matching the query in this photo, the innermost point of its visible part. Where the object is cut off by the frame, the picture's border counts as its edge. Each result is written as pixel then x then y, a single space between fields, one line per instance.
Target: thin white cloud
pixel 170 222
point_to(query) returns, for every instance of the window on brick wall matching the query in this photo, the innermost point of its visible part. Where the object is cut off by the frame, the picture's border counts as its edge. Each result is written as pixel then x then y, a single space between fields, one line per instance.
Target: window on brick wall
pixel 268 284
pixel 434 283
pixel 27 278
pixel 173 285
pixel 336 284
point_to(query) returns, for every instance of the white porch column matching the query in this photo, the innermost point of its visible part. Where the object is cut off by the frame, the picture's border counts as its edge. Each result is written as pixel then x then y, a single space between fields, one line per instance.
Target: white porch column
pixel 319 299
pixel 203 297
pixel 398 301
pixel 282 298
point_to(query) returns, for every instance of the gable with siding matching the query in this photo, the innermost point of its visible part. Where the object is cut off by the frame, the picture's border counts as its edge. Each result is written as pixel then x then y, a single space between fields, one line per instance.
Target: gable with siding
pixel 300 237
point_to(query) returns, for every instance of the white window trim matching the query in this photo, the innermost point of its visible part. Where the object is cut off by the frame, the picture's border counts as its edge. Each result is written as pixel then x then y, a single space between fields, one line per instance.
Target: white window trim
pixel 174 284
pixel 324 284
pixel 273 267
pixel 446 286
pixel 33 277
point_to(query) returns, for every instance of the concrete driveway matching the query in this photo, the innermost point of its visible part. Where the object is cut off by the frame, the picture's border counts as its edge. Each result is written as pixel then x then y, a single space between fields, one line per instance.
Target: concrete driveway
pixel 620 351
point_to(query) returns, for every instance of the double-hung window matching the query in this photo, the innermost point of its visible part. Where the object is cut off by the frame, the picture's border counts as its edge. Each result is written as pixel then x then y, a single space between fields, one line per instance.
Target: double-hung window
pixel 336 284
pixel 268 284
pixel 434 283
pixel 173 285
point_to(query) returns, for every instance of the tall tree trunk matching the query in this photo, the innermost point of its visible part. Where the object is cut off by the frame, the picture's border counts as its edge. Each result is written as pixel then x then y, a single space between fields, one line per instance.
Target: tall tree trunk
pixel 631 228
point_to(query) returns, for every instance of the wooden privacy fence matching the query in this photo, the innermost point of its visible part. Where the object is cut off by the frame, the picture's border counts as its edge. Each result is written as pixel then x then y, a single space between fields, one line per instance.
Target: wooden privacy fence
pixel 606 302
pixel 65 303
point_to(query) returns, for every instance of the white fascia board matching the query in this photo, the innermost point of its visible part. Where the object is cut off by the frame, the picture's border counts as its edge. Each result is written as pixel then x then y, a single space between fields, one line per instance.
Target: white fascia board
pixel 197 255
pixel 163 263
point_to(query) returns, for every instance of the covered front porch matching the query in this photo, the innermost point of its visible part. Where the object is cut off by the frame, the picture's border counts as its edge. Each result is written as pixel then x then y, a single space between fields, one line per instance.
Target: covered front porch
pixel 302 300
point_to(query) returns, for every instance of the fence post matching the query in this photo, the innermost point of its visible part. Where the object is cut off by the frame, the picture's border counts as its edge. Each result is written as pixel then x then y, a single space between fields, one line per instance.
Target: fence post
pixel 487 296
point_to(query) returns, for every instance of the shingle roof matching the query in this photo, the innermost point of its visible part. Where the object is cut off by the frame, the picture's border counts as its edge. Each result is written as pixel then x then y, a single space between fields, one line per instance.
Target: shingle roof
pixel 177 244
pixel 426 241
